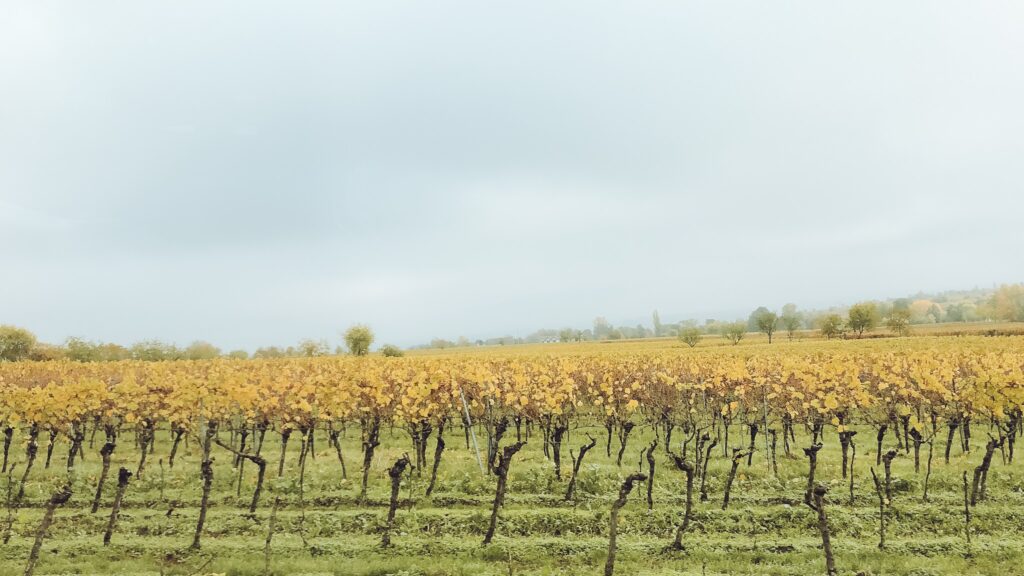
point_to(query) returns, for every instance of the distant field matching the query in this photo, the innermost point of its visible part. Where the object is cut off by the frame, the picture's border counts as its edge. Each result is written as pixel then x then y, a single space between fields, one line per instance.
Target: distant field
pixel 751 339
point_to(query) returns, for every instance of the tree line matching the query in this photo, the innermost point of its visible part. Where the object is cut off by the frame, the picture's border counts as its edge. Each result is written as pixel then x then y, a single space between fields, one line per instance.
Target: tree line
pixel 1005 303
pixel 21 344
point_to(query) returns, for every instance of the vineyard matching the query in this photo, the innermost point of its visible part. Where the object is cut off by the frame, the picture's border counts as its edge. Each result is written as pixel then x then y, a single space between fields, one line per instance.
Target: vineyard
pixel 886 456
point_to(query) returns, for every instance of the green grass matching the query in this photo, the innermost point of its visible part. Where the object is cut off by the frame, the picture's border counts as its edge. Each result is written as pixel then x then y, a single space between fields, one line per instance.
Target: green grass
pixel 766 529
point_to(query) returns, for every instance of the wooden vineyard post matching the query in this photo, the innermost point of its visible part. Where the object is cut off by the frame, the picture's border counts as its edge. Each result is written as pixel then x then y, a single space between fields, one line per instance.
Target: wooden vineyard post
pixel 472 433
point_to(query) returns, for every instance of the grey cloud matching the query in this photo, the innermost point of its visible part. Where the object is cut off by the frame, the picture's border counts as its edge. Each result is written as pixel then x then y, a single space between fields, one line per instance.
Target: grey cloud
pixel 251 174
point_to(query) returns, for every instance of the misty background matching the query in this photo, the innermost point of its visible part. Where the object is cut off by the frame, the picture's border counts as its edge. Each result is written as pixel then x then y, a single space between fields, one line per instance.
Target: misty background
pixel 251 173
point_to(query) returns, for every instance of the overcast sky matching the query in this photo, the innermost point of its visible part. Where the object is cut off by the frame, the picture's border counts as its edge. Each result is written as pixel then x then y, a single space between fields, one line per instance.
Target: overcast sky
pixel 255 173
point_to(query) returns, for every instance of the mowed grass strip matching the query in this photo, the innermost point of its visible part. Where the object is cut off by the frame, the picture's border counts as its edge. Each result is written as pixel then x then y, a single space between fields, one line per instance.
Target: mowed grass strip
pixel 765 530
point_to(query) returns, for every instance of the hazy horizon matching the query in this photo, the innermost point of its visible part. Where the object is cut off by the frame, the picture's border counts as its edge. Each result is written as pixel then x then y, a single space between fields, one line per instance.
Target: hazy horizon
pixel 245 175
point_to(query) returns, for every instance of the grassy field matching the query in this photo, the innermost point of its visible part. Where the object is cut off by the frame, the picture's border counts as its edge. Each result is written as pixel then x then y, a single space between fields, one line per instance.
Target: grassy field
pixel 765 530
pixel 750 339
